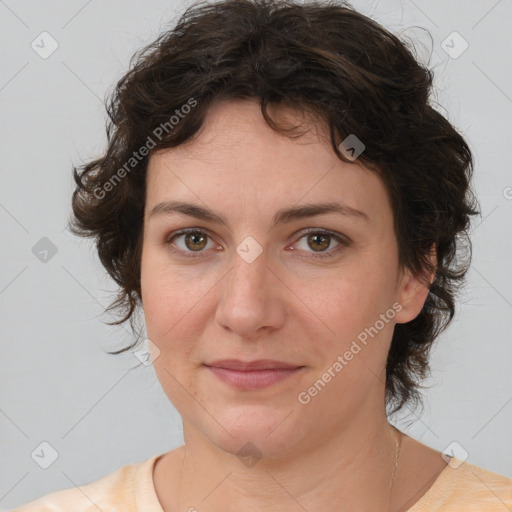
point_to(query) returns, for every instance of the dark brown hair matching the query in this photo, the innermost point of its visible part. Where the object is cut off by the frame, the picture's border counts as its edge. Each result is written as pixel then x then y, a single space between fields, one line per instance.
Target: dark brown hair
pixel 325 59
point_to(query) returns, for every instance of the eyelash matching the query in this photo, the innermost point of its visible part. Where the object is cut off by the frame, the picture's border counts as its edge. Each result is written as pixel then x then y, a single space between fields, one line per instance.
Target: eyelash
pixel 321 255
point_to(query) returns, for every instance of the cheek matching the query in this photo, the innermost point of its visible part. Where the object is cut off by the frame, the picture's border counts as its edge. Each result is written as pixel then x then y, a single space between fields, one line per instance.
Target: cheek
pixel 357 298
pixel 170 297
pixel 353 359
pixel 170 304
pixel 358 310
pixel 177 306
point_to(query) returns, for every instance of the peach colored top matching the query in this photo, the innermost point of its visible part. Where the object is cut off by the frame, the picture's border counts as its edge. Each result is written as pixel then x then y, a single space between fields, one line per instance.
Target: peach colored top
pixel 130 489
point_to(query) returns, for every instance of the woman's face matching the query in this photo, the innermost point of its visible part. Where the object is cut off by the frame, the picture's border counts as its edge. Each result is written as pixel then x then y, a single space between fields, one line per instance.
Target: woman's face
pixel 250 289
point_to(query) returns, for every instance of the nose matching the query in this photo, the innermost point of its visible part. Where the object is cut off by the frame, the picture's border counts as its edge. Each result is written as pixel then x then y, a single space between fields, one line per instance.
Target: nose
pixel 252 298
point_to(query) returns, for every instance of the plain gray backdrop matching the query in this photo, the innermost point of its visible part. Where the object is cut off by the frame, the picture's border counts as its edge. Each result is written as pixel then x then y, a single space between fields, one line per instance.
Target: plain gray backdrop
pixel 97 412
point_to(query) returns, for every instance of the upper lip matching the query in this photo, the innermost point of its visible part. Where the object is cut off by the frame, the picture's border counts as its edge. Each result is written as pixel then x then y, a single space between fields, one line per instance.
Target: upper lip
pixel 259 364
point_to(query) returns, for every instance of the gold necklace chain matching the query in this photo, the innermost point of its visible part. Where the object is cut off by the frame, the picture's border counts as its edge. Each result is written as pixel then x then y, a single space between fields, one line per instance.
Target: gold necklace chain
pixel 398 448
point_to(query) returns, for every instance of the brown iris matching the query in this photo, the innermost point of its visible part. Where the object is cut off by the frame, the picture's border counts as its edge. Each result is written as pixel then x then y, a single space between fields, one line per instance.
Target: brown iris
pixel 316 238
pixel 198 241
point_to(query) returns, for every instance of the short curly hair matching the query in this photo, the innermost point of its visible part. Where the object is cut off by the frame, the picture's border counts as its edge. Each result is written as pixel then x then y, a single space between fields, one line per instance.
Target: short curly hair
pixel 325 59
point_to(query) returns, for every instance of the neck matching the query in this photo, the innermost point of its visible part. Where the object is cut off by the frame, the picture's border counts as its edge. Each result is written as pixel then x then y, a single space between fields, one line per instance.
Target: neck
pixel 351 469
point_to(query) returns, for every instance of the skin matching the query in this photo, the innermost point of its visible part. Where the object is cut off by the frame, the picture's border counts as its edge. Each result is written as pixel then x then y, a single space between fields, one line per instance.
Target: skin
pixel 336 452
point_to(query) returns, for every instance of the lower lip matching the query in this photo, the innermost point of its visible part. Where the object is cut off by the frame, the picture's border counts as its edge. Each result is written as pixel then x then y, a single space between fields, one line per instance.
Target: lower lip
pixel 255 379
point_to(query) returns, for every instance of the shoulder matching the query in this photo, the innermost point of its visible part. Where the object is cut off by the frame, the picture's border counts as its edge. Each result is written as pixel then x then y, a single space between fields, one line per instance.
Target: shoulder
pixel 464 487
pixel 114 492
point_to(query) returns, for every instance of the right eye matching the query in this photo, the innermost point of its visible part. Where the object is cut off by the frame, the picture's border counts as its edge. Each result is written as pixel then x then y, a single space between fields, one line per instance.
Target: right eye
pixel 192 241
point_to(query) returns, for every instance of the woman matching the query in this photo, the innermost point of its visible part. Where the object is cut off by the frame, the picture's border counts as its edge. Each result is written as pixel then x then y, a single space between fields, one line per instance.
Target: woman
pixel 285 206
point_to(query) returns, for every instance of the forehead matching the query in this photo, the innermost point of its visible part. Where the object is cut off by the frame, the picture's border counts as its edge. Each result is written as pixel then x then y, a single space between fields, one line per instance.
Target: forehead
pixel 237 161
pixel 238 127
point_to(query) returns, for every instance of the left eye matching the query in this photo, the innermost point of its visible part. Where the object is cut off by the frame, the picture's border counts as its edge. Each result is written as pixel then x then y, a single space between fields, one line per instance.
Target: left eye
pixel 195 240
pixel 320 241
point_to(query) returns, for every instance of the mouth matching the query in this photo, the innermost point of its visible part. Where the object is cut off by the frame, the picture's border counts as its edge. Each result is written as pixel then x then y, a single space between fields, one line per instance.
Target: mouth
pixel 253 374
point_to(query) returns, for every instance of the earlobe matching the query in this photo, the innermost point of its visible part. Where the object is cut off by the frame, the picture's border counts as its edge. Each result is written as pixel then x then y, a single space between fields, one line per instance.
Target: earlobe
pixel 414 290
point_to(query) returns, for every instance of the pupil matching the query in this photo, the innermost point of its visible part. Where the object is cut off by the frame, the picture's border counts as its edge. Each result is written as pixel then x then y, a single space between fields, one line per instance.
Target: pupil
pixel 316 237
pixel 194 237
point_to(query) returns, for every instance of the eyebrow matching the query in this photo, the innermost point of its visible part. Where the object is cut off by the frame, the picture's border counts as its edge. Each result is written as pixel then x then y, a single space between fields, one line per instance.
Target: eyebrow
pixel 285 215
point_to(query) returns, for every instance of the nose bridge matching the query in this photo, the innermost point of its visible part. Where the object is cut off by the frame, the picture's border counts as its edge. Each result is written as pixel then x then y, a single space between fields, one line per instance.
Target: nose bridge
pixel 249 262
pixel 249 276
pixel 249 300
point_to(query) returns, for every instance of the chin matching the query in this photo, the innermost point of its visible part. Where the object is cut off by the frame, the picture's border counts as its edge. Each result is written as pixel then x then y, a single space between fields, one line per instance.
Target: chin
pixel 259 431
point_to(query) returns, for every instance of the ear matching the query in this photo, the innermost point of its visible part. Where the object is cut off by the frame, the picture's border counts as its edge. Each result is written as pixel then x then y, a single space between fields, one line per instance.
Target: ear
pixel 413 291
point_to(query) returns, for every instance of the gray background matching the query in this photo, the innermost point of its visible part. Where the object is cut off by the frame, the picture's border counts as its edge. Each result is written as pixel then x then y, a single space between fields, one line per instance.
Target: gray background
pixel 96 410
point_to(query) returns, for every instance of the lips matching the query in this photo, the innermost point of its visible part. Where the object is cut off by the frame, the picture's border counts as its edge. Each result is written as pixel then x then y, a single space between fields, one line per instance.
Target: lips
pixel 260 364
pixel 252 375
